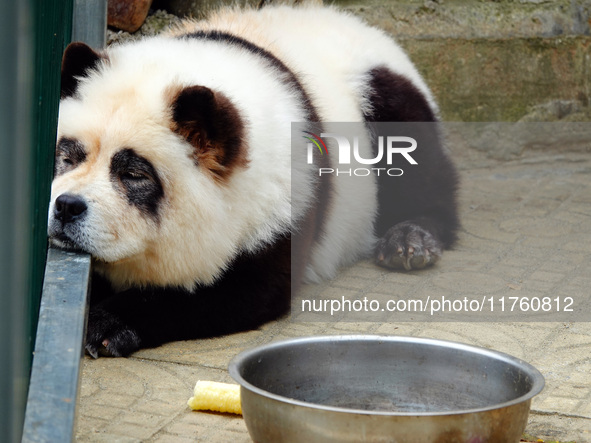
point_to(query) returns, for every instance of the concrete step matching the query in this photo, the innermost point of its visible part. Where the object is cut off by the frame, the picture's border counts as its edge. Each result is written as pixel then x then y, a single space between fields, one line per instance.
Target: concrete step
pixel 506 79
pixel 466 19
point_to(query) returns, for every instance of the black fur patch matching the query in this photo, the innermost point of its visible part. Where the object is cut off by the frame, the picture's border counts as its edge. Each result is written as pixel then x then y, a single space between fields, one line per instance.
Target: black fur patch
pixel 78 59
pixel 69 153
pixel 395 99
pixel 138 179
pixel 425 194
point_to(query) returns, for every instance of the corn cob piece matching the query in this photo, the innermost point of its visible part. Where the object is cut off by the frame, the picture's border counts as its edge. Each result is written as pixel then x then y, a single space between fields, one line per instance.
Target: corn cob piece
pixel 214 396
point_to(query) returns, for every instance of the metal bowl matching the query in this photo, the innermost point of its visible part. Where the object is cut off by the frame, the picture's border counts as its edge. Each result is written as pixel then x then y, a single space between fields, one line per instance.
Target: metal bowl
pixel 383 389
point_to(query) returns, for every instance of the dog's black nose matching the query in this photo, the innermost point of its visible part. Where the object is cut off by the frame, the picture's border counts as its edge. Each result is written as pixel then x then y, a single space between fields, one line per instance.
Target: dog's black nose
pixel 69 207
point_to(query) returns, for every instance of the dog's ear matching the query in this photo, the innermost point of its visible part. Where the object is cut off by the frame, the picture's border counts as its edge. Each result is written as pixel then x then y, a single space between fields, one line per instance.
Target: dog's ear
pixel 212 125
pixel 77 61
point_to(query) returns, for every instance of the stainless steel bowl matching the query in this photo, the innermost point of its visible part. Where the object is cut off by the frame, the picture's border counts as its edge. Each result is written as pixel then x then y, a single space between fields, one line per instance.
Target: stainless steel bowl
pixel 383 389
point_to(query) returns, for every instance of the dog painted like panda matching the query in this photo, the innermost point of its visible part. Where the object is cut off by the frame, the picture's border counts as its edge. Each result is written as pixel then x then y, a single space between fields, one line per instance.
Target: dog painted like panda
pixel 173 170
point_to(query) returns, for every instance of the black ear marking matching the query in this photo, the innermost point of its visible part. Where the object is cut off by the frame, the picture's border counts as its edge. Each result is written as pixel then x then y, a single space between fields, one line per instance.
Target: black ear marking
pixel 212 125
pixel 195 107
pixel 192 102
pixel 78 59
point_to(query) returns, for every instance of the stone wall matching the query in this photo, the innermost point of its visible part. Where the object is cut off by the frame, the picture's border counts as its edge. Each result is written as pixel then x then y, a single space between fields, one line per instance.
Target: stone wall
pixel 495 60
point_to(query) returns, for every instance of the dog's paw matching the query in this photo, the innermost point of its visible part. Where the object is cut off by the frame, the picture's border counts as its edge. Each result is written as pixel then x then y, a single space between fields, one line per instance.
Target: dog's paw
pixel 107 336
pixel 407 246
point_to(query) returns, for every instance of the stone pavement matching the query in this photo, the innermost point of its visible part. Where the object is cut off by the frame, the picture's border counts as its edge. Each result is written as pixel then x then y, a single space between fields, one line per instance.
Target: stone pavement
pixel 526 232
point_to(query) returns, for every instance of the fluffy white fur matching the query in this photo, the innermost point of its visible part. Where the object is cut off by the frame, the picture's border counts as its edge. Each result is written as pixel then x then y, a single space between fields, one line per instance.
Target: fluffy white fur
pixel 331 65
pixel 204 224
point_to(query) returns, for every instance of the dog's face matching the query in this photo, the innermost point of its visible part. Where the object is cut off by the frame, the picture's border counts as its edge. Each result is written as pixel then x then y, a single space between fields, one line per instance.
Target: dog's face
pixel 110 190
pixel 142 172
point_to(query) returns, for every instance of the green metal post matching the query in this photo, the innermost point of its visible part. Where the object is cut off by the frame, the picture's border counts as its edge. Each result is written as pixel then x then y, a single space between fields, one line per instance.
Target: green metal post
pixel 16 80
pixel 33 34
pixel 53 28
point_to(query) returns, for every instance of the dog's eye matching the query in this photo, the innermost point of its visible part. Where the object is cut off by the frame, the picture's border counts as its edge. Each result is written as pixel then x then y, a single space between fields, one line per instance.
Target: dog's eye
pixel 64 164
pixel 134 176
pixel 69 154
pixel 133 172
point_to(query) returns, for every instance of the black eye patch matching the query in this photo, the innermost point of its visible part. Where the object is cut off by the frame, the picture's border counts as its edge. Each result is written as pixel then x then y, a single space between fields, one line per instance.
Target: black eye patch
pixel 69 153
pixel 139 181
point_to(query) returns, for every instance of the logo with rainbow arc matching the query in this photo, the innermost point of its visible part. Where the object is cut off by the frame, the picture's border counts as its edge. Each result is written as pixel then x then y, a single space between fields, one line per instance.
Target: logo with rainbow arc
pixel 316 140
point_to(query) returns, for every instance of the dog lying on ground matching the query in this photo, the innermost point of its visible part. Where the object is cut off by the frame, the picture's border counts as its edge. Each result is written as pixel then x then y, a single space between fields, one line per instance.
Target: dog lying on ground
pixel 174 171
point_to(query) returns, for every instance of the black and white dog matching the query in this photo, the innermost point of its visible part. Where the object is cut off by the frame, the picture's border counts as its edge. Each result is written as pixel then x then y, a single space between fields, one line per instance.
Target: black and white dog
pixel 173 170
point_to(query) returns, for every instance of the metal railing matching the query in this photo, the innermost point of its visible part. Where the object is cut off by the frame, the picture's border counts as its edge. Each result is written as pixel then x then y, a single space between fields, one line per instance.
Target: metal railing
pixel 53 390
